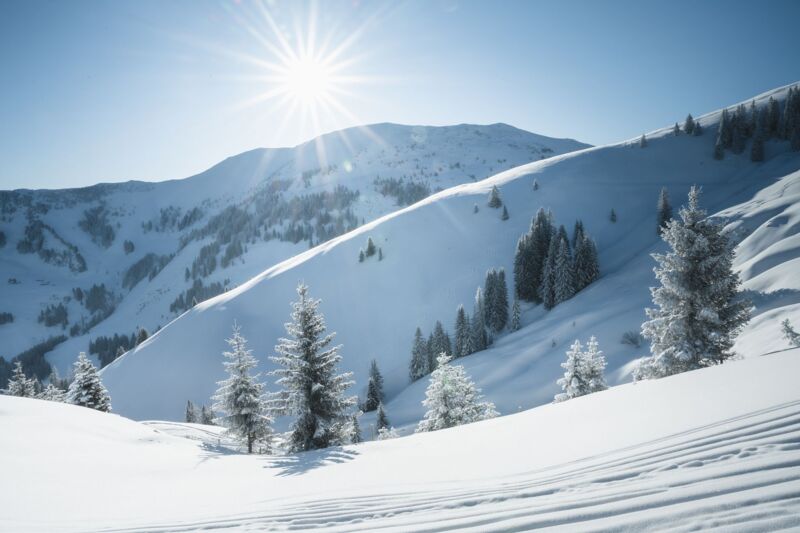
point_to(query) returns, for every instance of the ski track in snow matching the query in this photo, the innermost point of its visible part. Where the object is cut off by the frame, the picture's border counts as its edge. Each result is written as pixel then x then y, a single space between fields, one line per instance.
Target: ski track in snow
pixel 738 474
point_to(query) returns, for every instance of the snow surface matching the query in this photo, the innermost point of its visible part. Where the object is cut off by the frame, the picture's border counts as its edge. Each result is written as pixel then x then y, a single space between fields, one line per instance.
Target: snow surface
pixel 712 449
pixel 437 252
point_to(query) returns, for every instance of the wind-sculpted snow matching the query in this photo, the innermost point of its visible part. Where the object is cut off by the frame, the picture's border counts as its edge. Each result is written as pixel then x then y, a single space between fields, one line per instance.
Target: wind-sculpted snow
pixel 437 251
pixel 709 449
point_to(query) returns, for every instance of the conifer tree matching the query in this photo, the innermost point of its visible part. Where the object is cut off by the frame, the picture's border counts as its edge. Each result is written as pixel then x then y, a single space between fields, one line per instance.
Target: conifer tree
pixel 612 216
pixel 535 184
pixel 504 216
pixel 463 342
pixel 52 393
pixel 361 256
pixel 688 124
pixel 547 286
pixel 564 276
pixel 191 413
pixel 239 400
pixel 311 390
pixel 676 130
pixel 374 387
pixel 370 248
pixel 86 388
pixel 583 371
pixel 698 313
pixel 418 366
pixel 206 417
pixel 698 129
pixel 19 384
pixel 790 334
pixel 441 340
pixel 587 269
pixel 381 420
pixel 515 316
pixel 664 209
pixel 452 399
pixel 494 198
pixel 500 313
pixel 355 429
pixel 577 233
pixel 480 337
pixel 643 141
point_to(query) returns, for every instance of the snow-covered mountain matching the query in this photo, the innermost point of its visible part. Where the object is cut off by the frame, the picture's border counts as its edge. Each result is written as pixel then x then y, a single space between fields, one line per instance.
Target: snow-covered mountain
pixel 79 265
pixel 436 252
pixel 712 449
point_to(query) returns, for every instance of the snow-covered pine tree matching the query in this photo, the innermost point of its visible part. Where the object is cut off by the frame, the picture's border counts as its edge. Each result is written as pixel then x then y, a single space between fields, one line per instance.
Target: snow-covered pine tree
pixel 239 401
pixel 381 420
pixel 577 233
pixel 587 269
pixel 52 393
pixel 504 216
pixel 547 286
pixel 489 299
pixel 612 216
pixel 773 118
pixel 370 251
pixel 452 399
pixel 676 130
pixel 312 392
pixel 141 336
pixel 583 371
pixel 206 416
pixel 191 413
pixel 361 256
pixel 387 433
pixel 790 334
pixel 418 366
pixel 564 276
pixel 462 333
pixel 355 429
pixel 643 141
pixel 377 378
pixel 500 301
pixel 480 337
pixel 664 209
pixel 19 384
pixel 494 198
pixel 441 340
pixel 688 124
pixel 698 314
pixel 522 274
pixel 515 316
pixel 698 129
pixel 86 388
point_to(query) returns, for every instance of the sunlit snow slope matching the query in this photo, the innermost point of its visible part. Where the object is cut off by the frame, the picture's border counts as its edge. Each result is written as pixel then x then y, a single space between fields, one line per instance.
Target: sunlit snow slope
pixel 437 251
pixel 713 449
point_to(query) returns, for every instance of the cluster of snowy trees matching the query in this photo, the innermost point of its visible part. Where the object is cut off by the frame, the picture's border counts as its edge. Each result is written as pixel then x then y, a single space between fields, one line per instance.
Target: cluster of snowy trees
pixel 761 123
pixel 85 389
pixel 583 371
pixel 698 309
pixel 203 415
pixel 549 268
pixel 369 251
pixel 790 334
pixel 310 389
pixel 472 333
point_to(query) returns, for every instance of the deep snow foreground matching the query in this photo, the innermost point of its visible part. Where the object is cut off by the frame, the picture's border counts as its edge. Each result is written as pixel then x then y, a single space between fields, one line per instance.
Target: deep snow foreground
pixel 437 252
pixel 714 448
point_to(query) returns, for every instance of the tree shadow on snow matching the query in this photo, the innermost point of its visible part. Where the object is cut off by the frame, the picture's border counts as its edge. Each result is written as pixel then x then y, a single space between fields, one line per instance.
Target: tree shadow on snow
pixel 300 463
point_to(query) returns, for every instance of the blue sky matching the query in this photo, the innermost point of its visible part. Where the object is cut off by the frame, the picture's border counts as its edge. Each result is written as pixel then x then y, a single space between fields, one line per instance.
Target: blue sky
pixel 108 91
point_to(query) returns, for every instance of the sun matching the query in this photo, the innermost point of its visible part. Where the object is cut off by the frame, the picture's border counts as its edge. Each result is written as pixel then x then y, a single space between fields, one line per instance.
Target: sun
pixel 308 80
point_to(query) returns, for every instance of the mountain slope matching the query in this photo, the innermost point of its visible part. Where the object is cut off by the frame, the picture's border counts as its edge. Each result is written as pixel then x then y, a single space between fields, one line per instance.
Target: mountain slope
pixel 633 457
pixel 435 255
pixel 152 249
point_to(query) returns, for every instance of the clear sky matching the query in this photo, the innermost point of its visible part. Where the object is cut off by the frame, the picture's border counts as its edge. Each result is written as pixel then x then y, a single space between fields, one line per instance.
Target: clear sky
pixel 114 90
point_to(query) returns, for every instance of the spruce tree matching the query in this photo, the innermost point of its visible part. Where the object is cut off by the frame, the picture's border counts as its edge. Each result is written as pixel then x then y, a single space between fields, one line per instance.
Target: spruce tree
pixel 676 130
pixel 577 233
pixel 418 366
pixel 452 399
pixel 19 384
pixel 643 141
pixel 441 340
pixel 381 420
pixel 500 301
pixel 688 124
pixel 52 393
pixel 311 391
pixel 355 429
pixel 489 298
pixel 480 337
pixel 239 401
pixel 206 416
pixel 790 334
pixel 664 209
pixel 494 198
pixel 515 316
pixel 376 377
pixel 697 314
pixel 583 371
pixel 86 388
pixel 370 248
pixel 504 216
pixel 547 286
pixel 586 266
pixel 191 413
pixel 564 276
pixel 698 129
pixel 462 334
